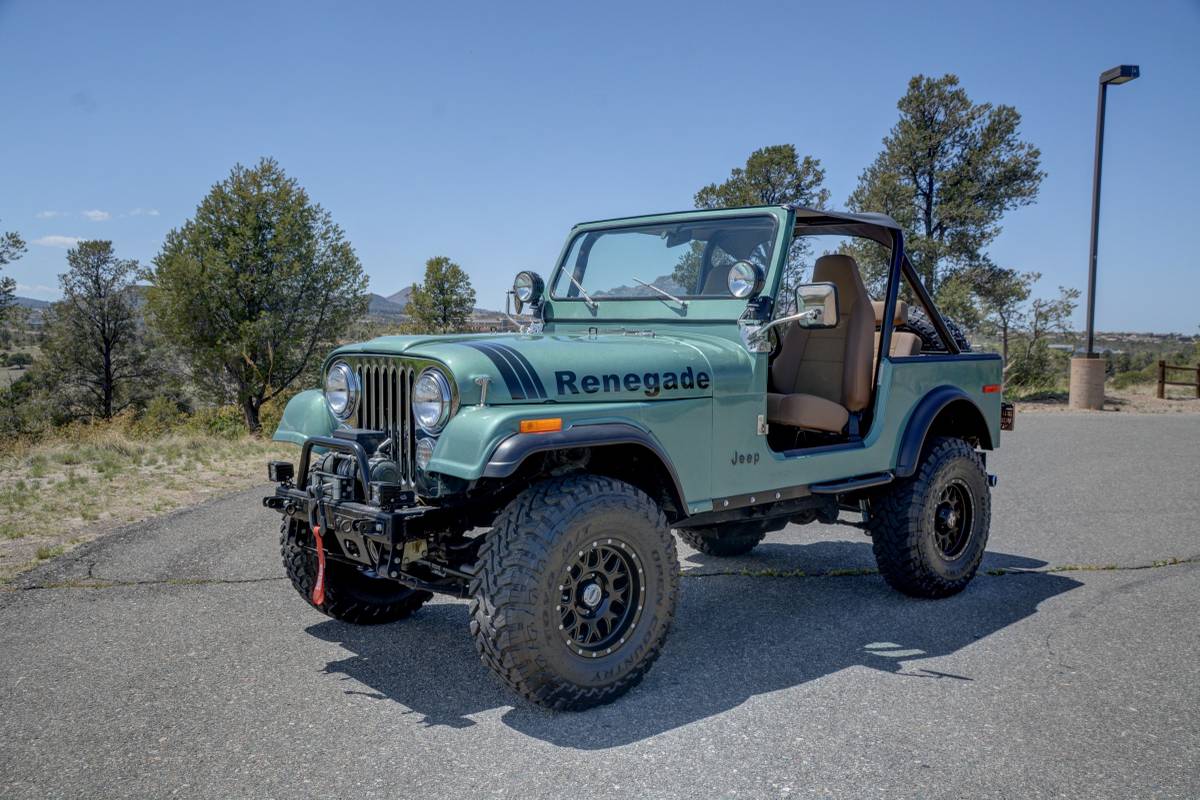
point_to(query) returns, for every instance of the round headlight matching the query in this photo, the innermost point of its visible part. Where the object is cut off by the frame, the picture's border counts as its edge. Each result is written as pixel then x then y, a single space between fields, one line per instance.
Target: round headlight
pixel 424 453
pixel 528 287
pixel 341 390
pixel 431 401
pixel 745 279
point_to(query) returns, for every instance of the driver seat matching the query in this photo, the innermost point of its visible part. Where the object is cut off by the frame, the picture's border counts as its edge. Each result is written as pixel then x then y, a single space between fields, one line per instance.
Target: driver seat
pixel 823 375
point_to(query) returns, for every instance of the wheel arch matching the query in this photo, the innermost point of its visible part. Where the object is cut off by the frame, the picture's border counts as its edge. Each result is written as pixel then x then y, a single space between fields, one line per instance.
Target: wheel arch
pixel 944 411
pixel 617 450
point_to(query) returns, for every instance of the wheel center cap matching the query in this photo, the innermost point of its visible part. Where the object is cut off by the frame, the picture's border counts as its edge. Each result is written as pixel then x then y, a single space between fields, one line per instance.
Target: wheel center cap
pixel 592 595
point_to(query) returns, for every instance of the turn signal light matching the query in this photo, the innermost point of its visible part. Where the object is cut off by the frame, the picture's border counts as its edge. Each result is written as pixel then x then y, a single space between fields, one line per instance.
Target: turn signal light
pixel 541 425
pixel 992 388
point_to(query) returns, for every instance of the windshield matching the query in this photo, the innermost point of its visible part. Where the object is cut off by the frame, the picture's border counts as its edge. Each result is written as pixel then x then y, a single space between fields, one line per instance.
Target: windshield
pixel 682 259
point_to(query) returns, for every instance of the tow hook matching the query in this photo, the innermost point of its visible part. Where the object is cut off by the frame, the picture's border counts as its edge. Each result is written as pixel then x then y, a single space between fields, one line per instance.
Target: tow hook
pixel 992 480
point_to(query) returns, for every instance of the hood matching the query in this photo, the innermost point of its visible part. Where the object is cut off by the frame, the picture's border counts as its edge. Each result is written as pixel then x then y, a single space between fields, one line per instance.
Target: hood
pixel 576 368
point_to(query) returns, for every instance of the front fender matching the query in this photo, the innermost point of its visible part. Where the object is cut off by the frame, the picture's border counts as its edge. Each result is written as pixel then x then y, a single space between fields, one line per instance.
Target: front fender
pixel 305 415
pixel 466 445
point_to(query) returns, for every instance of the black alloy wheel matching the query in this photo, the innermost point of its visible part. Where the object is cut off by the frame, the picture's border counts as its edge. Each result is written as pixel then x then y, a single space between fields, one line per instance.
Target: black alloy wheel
pixel 601 600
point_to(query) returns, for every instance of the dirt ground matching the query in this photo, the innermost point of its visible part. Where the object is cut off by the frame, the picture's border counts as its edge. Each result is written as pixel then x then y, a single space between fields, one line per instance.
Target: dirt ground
pixel 1133 400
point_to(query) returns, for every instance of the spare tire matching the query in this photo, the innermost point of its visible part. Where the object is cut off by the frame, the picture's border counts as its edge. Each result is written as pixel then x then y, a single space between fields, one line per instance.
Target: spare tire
pixel 920 324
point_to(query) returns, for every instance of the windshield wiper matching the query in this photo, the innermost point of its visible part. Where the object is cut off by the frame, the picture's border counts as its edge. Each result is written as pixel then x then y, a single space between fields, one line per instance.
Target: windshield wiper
pixel 663 292
pixel 587 298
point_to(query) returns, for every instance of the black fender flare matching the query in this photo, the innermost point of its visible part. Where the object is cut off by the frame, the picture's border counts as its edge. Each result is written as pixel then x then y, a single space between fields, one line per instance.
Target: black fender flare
pixel 512 452
pixel 921 420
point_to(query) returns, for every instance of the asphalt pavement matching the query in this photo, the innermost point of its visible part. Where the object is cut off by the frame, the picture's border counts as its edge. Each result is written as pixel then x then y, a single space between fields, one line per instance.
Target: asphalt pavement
pixel 173 659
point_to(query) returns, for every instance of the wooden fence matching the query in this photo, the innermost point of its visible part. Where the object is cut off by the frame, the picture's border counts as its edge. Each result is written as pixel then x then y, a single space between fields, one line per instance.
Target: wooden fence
pixel 1163 383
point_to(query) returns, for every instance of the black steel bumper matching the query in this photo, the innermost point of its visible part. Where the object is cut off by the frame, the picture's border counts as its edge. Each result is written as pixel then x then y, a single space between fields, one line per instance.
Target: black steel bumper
pixel 364 533
pixel 369 522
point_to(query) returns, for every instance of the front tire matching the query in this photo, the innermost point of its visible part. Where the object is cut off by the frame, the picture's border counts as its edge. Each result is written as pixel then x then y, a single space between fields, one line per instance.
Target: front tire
pixel 930 531
pixel 350 594
pixel 574 591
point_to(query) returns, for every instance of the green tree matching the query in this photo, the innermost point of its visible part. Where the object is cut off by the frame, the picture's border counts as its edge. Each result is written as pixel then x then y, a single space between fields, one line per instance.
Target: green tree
pixel 949 171
pixel 1033 365
pixel 444 301
pixel 254 286
pixel 94 354
pixel 1001 294
pixel 773 175
pixel 12 247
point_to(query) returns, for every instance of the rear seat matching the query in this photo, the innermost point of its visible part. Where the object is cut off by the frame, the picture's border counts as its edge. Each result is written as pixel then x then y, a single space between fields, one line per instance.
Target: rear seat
pixel 903 342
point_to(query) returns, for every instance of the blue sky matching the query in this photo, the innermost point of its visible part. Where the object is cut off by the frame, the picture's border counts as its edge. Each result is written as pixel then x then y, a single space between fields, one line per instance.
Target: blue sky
pixel 483 131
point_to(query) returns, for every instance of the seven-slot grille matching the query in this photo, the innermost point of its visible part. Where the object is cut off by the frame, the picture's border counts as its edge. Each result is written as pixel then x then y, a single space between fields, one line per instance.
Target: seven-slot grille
pixel 385 404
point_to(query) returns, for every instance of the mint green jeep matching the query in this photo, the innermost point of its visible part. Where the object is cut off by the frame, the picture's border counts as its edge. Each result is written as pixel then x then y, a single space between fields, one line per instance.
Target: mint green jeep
pixel 663 380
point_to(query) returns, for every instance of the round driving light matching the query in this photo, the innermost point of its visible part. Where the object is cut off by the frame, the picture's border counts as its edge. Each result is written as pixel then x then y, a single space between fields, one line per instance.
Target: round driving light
pixel 528 287
pixel 341 390
pixel 431 401
pixel 424 453
pixel 745 279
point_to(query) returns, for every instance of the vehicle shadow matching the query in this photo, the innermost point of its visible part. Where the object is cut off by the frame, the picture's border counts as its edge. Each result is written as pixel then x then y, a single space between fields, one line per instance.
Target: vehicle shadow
pixel 734 637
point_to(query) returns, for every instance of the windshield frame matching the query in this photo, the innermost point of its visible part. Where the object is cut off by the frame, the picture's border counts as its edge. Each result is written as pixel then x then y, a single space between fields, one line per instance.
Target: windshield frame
pixel 776 215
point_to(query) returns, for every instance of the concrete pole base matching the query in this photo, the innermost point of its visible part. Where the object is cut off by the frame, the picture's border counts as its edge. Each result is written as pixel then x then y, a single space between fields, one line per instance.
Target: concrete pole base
pixel 1087 383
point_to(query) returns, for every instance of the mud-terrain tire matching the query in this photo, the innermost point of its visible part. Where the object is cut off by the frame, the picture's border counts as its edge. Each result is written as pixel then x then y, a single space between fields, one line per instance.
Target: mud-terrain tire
pixel 918 323
pixel 723 540
pixel 350 595
pixel 535 621
pixel 929 531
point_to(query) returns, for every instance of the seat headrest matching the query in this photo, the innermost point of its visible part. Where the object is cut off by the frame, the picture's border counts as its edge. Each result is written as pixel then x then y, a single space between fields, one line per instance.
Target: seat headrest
pixel 842 272
pixel 901 317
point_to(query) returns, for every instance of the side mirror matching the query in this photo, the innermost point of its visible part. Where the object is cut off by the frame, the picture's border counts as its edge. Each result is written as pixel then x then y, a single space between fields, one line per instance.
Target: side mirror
pixel 816 305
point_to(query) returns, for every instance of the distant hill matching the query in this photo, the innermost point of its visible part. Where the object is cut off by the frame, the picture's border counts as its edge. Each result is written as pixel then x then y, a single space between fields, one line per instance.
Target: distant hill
pixel 382 306
pixel 29 302
pixel 397 304
pixel 401 297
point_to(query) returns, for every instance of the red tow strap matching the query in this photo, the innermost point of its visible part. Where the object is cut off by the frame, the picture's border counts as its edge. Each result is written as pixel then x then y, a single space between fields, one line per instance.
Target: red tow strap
pixel 318 592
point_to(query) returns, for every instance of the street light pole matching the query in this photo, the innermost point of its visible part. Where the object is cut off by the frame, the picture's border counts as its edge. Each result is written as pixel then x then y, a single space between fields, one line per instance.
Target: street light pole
pixel 1087 371
pixel 1116 75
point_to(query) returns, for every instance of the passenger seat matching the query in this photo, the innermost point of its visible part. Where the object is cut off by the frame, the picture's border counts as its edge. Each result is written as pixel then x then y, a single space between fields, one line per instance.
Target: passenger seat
pixel 903 342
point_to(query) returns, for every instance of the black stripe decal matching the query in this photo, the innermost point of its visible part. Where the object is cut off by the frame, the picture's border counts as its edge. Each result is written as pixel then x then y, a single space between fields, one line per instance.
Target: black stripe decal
pixel 510 378
pixel 538 386
pixel 510 356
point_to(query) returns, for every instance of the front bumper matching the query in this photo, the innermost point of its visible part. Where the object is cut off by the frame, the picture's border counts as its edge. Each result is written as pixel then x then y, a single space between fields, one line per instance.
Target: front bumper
pixel 369 522
pixel 365 534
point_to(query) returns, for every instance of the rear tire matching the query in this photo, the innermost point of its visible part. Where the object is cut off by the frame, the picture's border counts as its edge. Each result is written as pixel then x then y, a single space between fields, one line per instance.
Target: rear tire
pixel 574 591
pixel 723 541
pixel 350 594
pixel 930 530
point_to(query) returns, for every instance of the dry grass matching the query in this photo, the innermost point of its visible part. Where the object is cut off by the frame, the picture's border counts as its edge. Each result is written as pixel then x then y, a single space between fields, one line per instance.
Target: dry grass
pixel 59 492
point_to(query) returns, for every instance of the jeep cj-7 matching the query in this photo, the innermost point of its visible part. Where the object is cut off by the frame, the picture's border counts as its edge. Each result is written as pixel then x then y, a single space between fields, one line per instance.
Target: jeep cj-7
pixel 670 376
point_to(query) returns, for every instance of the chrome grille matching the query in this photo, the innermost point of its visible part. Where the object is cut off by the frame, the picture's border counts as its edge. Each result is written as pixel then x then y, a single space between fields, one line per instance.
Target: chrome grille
pixel 385 404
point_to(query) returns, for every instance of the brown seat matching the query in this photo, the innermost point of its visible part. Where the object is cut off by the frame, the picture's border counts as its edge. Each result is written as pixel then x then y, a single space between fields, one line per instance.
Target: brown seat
pixel 903 342
pixel 823 375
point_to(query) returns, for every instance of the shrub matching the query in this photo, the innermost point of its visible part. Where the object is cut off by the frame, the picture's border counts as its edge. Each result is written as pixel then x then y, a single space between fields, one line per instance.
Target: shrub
pixel 226 422
pixel 161 415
